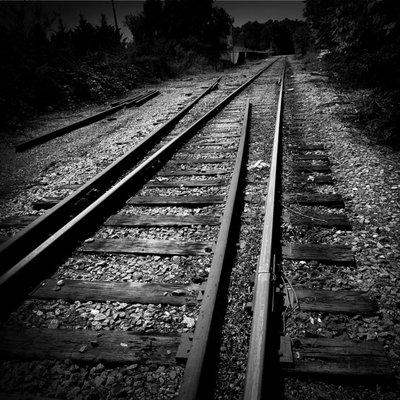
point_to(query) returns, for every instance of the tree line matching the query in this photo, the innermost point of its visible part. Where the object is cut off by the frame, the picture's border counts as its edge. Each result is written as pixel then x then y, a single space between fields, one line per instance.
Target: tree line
pixel 175 27
pixel 362 42
pixel 47 65
pixel 280 37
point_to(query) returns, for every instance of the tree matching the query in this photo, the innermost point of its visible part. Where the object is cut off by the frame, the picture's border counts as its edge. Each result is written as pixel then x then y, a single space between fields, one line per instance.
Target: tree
pixel 190 24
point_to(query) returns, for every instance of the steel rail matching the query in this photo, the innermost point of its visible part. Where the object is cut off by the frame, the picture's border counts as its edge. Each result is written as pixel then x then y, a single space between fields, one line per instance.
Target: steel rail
pixel 260 351
pixel 14 280
pixel 130 100
pixel 190 387
pixel 28 144
pixel 141 100
pixel 29 237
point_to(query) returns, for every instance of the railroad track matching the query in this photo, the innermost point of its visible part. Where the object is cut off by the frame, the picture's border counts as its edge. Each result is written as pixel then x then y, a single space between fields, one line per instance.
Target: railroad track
pixel 191 180
pixel 147 283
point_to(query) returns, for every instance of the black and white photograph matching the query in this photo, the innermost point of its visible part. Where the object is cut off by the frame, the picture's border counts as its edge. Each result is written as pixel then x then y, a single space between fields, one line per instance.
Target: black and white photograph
pixel 200 200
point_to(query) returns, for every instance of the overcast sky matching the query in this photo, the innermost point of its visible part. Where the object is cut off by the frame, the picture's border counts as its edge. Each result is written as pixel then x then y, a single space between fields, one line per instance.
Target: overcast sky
pixel 241 10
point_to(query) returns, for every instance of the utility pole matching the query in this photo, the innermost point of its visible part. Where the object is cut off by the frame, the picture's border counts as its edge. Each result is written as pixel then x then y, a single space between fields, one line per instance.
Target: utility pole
pixel 115 16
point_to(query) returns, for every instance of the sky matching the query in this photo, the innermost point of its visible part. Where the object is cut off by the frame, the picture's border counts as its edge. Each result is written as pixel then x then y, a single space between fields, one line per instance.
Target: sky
pixel 241 10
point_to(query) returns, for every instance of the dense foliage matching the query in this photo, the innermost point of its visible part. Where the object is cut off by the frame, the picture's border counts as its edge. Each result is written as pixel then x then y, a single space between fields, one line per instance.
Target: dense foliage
pixel 362 38
pixel 46 65
pixel 280 37
pixel 172 28
pixel 42 67
pixel 363 34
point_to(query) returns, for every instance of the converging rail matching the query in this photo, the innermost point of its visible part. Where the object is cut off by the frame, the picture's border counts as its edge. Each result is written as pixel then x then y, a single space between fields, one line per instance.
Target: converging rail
pixel 115 107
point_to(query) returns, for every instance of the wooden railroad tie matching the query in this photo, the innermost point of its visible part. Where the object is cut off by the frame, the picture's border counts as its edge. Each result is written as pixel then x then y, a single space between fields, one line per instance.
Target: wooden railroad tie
pixel 188 183
pixel 126 292
pixel 318 252
pixel 217 160
pixel 335 358
pixel 108 347
pixel 213 143
pixel 309 167
pixel 17 221
pixel 307 147
pixel 148 246
pixel 312 199
pixel 193 172
pixel 311 157
pixel 178 201
pixel 312 179
pixel 216 136
pixel 328 301
pixel 209 151
pixel 161 220
pixel 46 203
pixel 311 218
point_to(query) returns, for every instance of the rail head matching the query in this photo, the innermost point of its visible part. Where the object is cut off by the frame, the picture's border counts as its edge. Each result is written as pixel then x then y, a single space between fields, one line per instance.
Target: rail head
pixel 260 350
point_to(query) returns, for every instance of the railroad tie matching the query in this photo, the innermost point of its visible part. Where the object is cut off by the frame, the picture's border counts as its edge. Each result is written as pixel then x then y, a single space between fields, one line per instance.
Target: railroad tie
pixel 17 221
pixel 177 201
pixel 309 167
pixel 126 292
pixel 301 146
pixel 309 179
pixel 130 220
pixel 193 172
pixel 311 218
pixel 324 357
pixel 312 199
pixel 329 301
pixel 185 160
pixel 108 347
pixel 318 252
pixel 188 183
pixel 311 157
pixel 148 246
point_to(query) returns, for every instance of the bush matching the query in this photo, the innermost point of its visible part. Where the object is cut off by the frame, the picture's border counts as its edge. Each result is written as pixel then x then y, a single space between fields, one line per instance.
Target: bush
pixel 363 40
